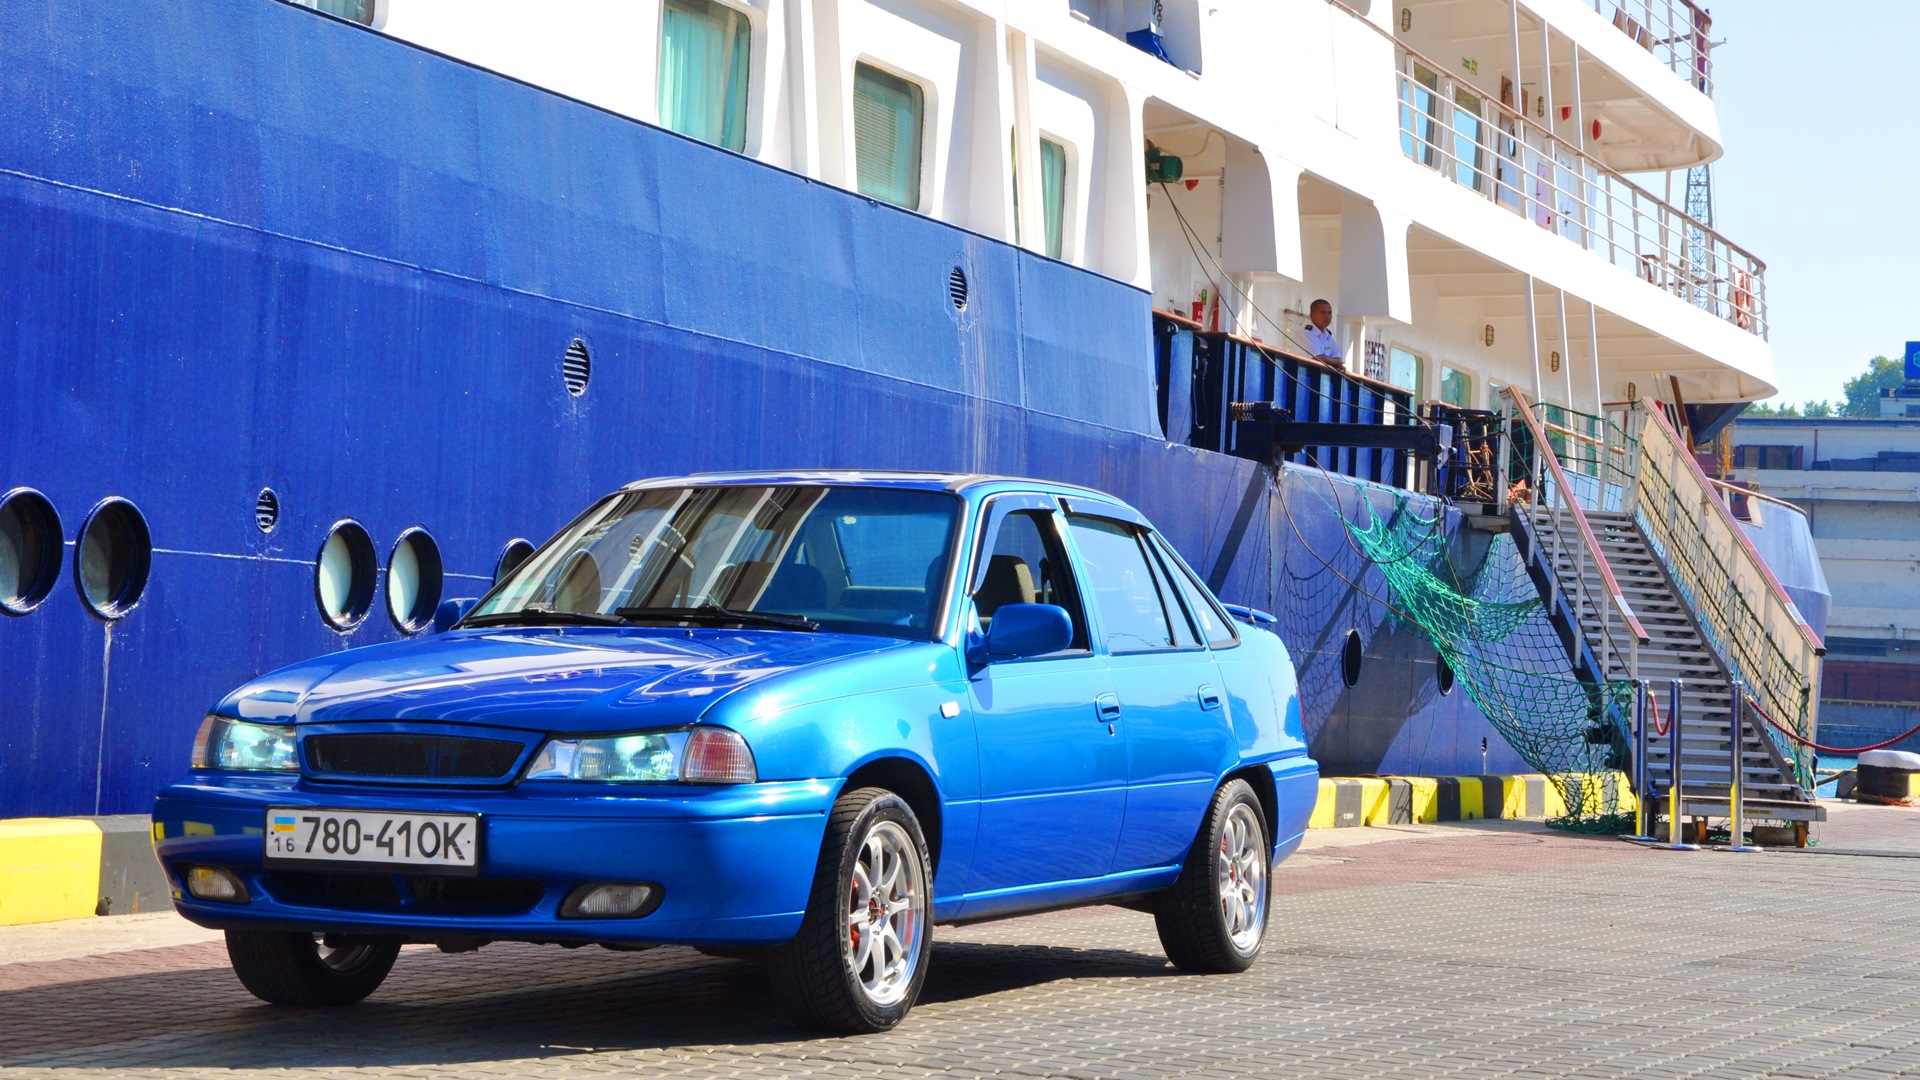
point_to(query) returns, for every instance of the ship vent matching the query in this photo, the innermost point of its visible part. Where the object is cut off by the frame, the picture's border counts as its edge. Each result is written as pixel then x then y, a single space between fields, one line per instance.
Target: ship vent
pixel 576 368
pixel 957 289
pixel 266 510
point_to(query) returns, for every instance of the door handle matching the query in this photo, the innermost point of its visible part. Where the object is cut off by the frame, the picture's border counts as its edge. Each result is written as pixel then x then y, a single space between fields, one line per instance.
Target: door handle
pixel 1107 708
pixel 1209 697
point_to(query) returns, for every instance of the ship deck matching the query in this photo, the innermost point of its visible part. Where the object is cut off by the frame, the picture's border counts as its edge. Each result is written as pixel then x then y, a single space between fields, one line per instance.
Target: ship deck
pixel 1498 948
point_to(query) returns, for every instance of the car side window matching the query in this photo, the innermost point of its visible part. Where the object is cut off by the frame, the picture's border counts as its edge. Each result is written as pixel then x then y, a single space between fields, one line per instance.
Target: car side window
pixel 1027 565
pixel 1128 593
pixel 1211 620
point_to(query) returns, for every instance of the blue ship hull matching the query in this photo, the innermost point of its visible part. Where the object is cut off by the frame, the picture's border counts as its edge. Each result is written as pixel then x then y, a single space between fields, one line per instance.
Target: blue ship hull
pixel 249 247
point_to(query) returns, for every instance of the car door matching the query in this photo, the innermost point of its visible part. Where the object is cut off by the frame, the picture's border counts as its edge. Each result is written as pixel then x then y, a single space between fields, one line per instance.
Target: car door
pixel 1178 733
pixel 1053 765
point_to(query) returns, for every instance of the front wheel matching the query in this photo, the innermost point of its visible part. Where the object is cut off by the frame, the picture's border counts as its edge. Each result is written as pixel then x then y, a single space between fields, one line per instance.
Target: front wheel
pixel 1213 918
pixel 290 968
pixel 861 955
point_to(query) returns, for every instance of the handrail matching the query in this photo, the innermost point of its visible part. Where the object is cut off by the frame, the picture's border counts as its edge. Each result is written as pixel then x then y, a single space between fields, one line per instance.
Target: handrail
pixel 1778 591
pixel 1542 130
pixel 1458 130
pixel 1743 611
pixel 1735 489
pixel 1693 64
pixel 1545 450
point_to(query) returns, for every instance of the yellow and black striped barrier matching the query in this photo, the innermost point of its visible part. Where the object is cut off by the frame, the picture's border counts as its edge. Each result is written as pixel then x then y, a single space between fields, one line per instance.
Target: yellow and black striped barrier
pixel 1418 800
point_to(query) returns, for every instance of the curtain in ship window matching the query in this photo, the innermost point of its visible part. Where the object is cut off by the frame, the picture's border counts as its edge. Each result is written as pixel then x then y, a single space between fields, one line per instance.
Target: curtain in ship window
pixel 704 53
pixel 1053 193
pixel 1456 388
pixel 887 114
pixel 360 11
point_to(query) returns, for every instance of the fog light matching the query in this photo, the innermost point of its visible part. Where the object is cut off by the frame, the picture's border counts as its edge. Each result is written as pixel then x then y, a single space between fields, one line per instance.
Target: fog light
pixel 609 901
pixel 213 883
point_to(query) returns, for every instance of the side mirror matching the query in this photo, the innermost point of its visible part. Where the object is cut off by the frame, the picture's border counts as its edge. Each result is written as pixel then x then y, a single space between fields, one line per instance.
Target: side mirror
pixel 1021 630
pixel 450 612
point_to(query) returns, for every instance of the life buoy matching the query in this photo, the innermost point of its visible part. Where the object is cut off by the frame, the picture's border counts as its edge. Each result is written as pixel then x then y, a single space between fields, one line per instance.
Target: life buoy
pixel 1743 299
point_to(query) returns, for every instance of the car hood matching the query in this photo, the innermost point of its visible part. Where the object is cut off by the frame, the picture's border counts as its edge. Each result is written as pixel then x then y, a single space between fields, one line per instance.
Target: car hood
pixel 573 679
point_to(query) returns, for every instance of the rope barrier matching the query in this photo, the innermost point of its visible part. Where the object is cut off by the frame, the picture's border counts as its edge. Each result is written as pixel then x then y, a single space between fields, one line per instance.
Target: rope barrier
pixel 1659 729
pixel 1823 748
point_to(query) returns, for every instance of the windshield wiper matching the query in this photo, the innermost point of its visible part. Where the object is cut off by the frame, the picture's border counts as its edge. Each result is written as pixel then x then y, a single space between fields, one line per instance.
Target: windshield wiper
pixel 714 613
pixel 539 616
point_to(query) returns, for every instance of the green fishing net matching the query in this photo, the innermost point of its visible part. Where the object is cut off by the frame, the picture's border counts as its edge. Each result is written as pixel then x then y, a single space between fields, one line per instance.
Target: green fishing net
pixel 1488 624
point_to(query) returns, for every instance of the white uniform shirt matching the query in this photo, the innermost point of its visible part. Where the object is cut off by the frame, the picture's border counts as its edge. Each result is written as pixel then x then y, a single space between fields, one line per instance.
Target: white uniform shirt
pixel 1321 343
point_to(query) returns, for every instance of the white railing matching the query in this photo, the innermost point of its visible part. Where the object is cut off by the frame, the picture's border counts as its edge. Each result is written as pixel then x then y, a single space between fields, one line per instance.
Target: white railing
pixel 1480 144
pixel 1676 32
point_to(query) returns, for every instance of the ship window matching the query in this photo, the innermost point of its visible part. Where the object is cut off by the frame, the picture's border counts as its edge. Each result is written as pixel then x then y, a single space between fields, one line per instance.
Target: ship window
pixel 30 550
pixel 1405 370
pixel 343 576
pixel 511 557
pixel 360 11
pixel 1053 193
pixel 112 558
pixel 1351 654
pixel 1456 388
pixel 887 121
pixel 414 580
pixel 705 50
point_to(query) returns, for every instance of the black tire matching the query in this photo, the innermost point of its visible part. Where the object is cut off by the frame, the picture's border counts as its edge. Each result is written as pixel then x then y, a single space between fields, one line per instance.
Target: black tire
pixel 291 968
pixel 1192 917
pixel 813 975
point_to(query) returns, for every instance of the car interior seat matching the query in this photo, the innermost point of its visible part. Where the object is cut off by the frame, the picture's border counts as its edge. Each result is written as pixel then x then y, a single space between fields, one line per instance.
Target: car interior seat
pixel 795 587
pixel 1009 580
pixel 579 585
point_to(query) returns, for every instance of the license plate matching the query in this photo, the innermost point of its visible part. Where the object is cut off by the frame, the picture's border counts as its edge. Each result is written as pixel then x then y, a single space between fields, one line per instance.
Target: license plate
pixel 448 843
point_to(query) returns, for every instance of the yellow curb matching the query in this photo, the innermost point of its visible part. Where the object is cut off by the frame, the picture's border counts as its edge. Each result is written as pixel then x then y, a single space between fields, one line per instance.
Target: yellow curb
pixel 49 869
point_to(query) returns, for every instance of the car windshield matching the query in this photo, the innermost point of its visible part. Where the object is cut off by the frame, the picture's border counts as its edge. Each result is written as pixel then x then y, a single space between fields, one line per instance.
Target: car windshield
pixel 850 559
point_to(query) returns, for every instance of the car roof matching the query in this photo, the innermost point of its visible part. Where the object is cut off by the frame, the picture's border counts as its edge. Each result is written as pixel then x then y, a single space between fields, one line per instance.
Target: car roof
pixel 959 483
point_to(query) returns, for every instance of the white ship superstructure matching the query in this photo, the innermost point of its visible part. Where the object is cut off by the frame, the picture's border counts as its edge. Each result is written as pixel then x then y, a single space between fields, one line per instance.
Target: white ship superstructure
pixel 1458 177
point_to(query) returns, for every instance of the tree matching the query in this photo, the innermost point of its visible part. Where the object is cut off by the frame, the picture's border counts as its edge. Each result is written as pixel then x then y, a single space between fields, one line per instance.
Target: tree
pixel 1862 396
pixel 1863 391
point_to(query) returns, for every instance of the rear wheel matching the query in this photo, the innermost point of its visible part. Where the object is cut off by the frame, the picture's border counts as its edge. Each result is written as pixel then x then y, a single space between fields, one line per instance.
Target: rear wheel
pixel 1213 918
pixel 290 968
pixel 860 957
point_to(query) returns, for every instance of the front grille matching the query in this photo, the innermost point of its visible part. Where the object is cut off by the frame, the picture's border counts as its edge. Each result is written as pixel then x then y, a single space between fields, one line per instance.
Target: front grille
pixel 421 893
pixel 411 756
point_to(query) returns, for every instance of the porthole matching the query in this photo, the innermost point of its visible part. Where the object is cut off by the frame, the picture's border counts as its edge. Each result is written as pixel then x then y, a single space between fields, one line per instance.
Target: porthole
pixel 576 368
pixel 1443 677
pixel 1350 657
pixel 112 558
pixel 29 550
pixel 414 581
pixel 511 556
pixel 957 290
pixel 266 510
pixel 343 576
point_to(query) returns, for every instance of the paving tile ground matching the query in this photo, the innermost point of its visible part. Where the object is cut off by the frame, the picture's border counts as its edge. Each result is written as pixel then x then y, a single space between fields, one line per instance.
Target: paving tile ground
pixel 1492 951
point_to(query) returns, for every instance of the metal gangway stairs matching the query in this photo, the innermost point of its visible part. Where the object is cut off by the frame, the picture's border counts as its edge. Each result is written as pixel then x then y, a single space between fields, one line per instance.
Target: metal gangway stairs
pixel 1649 579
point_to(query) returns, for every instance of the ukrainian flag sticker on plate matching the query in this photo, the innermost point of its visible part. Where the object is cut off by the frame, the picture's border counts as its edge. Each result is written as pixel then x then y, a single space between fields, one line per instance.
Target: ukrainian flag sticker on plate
pixel 283 823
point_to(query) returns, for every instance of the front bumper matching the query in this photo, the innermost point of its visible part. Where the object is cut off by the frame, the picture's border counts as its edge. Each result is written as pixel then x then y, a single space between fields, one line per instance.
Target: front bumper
pixel 736 863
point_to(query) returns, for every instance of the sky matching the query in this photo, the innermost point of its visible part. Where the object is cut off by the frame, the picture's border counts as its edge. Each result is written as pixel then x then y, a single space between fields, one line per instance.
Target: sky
pixel 1821 177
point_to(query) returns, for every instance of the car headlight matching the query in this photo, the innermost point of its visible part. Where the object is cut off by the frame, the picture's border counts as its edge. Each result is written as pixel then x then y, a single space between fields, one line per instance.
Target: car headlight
pixel 236 744
pixel 700 756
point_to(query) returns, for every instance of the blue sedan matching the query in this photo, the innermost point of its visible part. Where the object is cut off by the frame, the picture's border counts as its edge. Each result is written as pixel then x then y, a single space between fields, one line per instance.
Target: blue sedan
pixel 802 717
